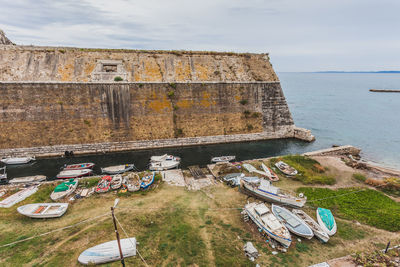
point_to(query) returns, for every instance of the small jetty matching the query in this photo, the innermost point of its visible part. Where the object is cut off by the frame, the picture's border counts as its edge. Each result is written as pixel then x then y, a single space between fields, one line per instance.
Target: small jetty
pixel 385 90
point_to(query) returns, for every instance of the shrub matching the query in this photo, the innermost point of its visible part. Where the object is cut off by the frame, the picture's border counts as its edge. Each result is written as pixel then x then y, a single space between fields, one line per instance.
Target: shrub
pixel 243 101
pixel 246 113
pixel 249 127
pixel 171 94
pixel 256 114
pixel 359 177
pixel 173 85
pixel 217 72
pixel 118 79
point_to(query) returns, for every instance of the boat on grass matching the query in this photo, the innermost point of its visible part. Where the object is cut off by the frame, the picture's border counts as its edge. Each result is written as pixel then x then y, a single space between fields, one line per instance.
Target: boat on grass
pixel 270 173
pixel 43 210
pixel 147 181
pixel 68 174
pixel 16 161
pixel 163 165
pixel 286 168
pixel 132 182
pixel 261 215
pixel 104 184
pixel 28 179
pixel 3 175
pixel 164 157
pixel 326 221
pixel 119 169
pixel 79 166
pixel 116 181
pixel 223 159
pixel 315 227
pixel 18 197
pixel 250 168
pixel 108 252
pixel 64 189
pixel 267 192
pixel 295 225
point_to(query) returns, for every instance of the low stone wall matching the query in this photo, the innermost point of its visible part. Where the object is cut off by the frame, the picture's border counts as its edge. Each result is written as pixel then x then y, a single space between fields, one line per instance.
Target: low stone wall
pixel 303 134
pixel 335 151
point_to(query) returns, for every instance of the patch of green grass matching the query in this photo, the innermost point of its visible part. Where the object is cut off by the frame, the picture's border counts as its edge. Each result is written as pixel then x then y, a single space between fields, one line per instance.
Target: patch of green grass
pixel 364 205
pixel 302 247
pixel 349 231
pixel 309 170
pixel 89 182
pixel 359 177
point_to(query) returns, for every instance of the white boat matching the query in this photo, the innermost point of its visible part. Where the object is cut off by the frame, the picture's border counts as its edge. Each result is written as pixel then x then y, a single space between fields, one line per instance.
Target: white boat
pixel 268 223
pixel 270 174
pixel 15 161
pixel 163 165
pixel 64 189
pixel 43 210
pixel 3 175
pixel 223 159
pixel 28 179
pixel 286 168
pixel 18 197
pixel 326 221
pixel 266 191
pixel 250 168
pixel 108 252
pixel 317 229
pixel 116 181
pixel 164 157
pixel 295 225
pixel 73 173
pixel 132 182
pixel 118 169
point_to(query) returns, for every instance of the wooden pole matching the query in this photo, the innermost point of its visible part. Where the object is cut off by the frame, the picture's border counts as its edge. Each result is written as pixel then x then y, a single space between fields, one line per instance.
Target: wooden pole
pixel 116 232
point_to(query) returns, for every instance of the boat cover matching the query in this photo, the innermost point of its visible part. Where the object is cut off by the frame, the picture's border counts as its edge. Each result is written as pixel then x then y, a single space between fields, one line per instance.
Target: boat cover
pixel 64 186
pixel 327 217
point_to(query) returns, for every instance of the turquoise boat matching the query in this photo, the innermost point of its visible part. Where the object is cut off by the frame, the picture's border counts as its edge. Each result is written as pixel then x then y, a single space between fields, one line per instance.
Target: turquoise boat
pixel 326 221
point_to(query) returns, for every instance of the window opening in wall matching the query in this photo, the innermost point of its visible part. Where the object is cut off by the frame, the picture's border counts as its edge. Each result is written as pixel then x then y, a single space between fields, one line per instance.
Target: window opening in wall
pixel 109 67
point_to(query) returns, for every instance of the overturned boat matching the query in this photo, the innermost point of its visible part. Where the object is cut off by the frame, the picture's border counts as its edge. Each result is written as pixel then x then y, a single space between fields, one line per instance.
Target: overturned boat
pixel 266 191
pixel 286 168
pixel 164 157
pixel 326 221
pixel 64 189
pixel 43 210
pixel 295 225
pixel 261 215
pixel 28 179
pixel 18 197
pixel 315 227
pixel 119 169
pixel 68 174
pixel 16 161
pixel 108 252
pixel 79 166
pixel 223 159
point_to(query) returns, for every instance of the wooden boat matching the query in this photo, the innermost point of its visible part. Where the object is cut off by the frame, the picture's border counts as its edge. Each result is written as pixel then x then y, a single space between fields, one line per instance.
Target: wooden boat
pixel 28 179
pixel 223 159
pixel 104 184
pixel 267 192
pixel 108 252
pixel 326 221
pixel 164 157
pixel 270 174
pixel 268 223
pixel 315 227
pixel 68 174
pixel 147 181
pixel 118 169
pixel 3 175
pixel 250 168
pixel 116 181
pixel 18 197
pixel 285 168
pixel 132 182
pixel 79 166
pixel 43 210
pixel 163 165
pixel 64 189
pixel 295 225
pixel 15 161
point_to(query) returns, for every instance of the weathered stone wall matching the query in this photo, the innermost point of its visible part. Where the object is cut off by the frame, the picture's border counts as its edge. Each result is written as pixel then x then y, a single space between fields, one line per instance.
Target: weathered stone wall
pixel 32 63
pixel 34 114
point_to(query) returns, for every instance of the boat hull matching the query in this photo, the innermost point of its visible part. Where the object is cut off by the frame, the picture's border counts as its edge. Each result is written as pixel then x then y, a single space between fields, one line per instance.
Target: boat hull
pixel 28 179
pixel 17 161
pixel 126 168
pixel 315 227
pixel 323 225
pixel 50 210
pixel 157 166
pixel 58 195
pixel 18 197
pixel 146 184
pixel 74 174
pixel 304 230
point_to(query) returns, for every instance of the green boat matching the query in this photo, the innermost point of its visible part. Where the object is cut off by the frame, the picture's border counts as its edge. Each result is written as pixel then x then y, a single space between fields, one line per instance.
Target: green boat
pixel 326 221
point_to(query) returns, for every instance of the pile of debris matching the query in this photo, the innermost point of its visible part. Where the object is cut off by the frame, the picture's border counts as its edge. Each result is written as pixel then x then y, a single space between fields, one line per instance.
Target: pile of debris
pixel 250 251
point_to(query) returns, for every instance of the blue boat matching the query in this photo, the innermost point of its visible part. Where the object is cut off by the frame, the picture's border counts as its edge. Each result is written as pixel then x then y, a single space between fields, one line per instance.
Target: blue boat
pixel 326 221
pixel 147 181
pixel 295 225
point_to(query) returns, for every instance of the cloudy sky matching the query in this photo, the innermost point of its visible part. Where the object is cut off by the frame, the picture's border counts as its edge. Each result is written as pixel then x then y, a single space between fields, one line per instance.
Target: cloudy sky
pixel 300 35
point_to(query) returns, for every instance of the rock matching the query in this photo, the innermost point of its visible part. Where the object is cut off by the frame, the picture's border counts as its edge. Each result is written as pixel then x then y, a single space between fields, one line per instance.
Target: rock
pixel 274 252
pixel 4 40
pixel 250 251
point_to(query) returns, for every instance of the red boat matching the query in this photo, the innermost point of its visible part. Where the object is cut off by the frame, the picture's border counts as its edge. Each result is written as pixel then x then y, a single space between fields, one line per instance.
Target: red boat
pixel 104 184
pixel 79 166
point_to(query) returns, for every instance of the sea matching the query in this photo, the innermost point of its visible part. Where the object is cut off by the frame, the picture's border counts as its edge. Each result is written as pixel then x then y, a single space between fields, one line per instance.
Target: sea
pixel 337 107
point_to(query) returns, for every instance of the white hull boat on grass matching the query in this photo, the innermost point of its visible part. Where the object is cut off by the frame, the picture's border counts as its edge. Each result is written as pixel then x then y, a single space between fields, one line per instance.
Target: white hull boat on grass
pixel 295 225
pixel 43 210
pixel 250 168
pixel 285 168
pixel 74 173
pixel 116 181
pixel 164 157
pixel 118 169
pixel 326 221
pixel 108 252
pixel 15 161
pixel 268 223
pixel 163 165
pixel 18 197
pixel 317 229
pixel 132 182
pixel 3 175
pixel 64 189
pixel 223 159
pixel 28 179
pixel 270 174
pixel 267 192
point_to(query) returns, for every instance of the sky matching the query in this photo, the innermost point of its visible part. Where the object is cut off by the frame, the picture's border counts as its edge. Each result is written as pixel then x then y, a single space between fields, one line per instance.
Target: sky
pixel 299 35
